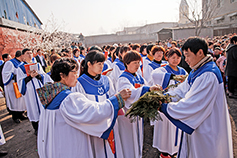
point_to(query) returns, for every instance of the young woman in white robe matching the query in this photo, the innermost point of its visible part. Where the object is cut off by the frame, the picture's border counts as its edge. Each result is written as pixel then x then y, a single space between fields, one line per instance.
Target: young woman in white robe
pixel 157 53
pixel 97 87
pixel 118 66
pixel 16 105
pixel 109 58
pixel 148 59
pixel 27 86
pixel 131 134
pixel 202 111
pixel 69 119
pixel 166 136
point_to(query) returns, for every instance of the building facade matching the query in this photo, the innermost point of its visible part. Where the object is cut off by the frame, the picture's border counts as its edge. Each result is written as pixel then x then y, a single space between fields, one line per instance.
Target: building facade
pixel 17 22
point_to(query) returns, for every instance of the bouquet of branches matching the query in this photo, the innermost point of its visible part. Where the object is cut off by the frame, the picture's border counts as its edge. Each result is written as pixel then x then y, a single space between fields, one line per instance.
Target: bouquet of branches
pixel 148 105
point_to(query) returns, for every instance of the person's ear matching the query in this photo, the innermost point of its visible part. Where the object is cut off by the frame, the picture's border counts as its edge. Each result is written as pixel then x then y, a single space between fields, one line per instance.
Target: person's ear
pixel 62 76
pixel 89 64
pixel 200 53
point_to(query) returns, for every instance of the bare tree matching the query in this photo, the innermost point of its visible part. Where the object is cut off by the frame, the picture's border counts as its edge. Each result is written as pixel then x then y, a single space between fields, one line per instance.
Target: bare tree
pixel 200 13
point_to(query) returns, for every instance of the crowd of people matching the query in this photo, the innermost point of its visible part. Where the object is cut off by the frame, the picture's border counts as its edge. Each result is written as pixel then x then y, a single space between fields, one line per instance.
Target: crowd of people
pixel 76 99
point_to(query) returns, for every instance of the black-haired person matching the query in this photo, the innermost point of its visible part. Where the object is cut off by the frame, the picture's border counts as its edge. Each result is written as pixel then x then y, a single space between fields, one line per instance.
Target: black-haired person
pixel 82 53
pixel 28 84
pixel 166 136
pixel 118 65
pixel 97 87
pixel 231 67
pixel 76 53
pixel 40 59
pixel 110 54
pixel 69 119
pixel 131 134
pixel 143 54
pixel 201 111
pixel 15 105
pixel 157 53
pixel 149 58
pixel 5 58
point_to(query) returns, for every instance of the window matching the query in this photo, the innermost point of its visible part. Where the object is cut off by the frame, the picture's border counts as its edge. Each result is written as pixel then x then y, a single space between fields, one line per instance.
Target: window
pixel 220 21
pixel 232 18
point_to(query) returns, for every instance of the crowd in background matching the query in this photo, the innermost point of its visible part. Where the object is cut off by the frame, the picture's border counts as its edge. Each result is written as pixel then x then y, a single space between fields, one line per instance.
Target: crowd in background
pixel 110 63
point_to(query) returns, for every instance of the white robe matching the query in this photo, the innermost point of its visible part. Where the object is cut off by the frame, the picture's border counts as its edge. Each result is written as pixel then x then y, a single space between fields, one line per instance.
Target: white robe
pixel 131 134
pixel 13 103
pixel 66 132
pixel 148 70
pixel 202 114
pixel 90 89
pixel 166 136
pixel 118 68
pixel 29 93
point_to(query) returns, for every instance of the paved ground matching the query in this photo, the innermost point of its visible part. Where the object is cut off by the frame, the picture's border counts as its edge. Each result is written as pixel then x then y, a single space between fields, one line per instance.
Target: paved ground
pixel 21 141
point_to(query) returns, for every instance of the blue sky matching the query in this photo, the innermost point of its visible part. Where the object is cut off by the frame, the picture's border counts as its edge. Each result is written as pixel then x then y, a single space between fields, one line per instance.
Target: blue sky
pixel 92 17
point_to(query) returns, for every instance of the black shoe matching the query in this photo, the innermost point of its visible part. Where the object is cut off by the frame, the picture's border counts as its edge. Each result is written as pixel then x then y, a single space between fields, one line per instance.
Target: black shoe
pixel 3 153
pixel 23 117
pixel 17 121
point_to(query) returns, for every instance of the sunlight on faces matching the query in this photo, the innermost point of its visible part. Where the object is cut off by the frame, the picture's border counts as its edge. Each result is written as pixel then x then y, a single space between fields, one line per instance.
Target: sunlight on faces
pixel 71 79
pixel 133 66
pixel 96 68
pixel 174 60
pixel 158 55
pixel 191 58
pixel 28 56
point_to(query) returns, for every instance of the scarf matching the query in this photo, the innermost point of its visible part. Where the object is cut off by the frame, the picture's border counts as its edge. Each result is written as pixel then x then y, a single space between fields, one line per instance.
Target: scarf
pixel 202 62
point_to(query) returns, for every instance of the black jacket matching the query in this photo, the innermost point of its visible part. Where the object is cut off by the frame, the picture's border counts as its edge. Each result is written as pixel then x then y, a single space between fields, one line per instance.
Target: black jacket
pixel 39 61
pixel 1 81
pixel 231 56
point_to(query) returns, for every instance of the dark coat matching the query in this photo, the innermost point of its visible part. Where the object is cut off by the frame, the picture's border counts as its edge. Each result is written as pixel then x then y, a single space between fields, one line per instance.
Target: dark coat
pixel 39 61
pixel 231 56
pixel 1 81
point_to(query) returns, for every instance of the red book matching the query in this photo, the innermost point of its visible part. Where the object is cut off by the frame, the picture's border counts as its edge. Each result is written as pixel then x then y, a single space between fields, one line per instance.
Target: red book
pixel 29 67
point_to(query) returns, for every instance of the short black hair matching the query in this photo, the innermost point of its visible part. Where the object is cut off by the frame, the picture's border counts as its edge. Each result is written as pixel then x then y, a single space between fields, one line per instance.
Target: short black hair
pixel 195 44
pixel 149 47
pixel 92 57
pixel 142 48
pixel 96 48
pixel 64 66
pixel 4 56
pixel 233 39
pixel 25 50
pixel 18 53
pixel 38 50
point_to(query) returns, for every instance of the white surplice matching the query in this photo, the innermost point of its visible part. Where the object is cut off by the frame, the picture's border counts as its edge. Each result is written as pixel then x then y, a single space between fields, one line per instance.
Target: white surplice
pixel 166 136
pixel 66 131
pixel 99 91
pixel 9 70
pixel 28 91
pixel 131 134
pixel 202 114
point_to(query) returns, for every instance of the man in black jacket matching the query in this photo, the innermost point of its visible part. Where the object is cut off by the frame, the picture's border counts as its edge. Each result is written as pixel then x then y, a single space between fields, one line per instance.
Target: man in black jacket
pixel 231 67
pixel 40 59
